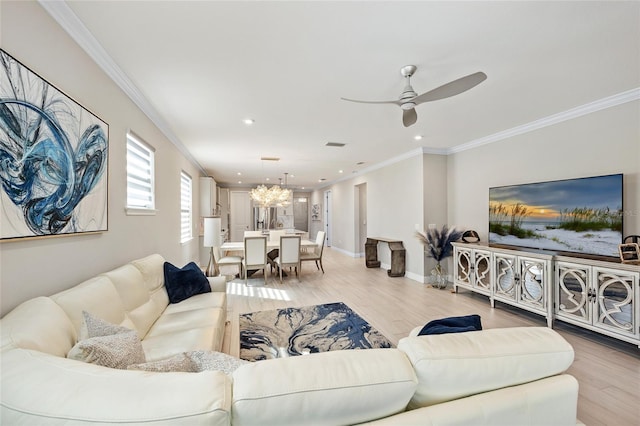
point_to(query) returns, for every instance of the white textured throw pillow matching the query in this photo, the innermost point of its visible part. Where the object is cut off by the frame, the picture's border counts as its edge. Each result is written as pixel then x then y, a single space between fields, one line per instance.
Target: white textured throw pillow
pixel 208 360
pixel 193 362
pixel 177 363
pixel 107 344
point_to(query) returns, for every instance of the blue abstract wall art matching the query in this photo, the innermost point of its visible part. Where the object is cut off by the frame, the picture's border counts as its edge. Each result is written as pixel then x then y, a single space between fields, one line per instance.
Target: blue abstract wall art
pixel 53 159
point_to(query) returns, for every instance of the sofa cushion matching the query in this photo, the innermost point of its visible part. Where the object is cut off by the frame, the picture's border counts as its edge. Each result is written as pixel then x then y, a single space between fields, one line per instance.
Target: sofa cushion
pixel 97 295
pixel 107 344
pixel 182 283
pixel 451 366
pixel 549 401
pixel 172 343
pixel 131 286
pixel 152 270
pixel 330 388
pixel 38 324
pixel 41 389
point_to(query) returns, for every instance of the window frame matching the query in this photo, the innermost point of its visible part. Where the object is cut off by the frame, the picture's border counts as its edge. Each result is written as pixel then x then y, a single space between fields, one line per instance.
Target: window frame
pixel 145 153
pixel 186 211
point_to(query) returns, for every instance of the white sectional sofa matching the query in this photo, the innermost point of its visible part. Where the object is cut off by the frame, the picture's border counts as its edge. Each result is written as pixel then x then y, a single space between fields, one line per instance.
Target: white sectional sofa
pixel 492 377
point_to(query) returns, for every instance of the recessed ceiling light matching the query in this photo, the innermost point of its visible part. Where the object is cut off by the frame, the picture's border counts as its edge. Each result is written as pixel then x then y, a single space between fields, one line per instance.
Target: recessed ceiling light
pixel 239 181
pixel 417 137
pixel 267 179
pixel 302 187
pixel 239 174
pixel 339 171
pixel 291 175
pixel 248 121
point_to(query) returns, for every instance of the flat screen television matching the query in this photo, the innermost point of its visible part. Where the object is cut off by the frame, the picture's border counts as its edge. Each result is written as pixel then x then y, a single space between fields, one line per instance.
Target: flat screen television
pixel 581 216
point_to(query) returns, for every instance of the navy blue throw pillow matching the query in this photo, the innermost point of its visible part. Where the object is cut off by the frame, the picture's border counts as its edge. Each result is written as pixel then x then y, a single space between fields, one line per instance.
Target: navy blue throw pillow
pixel 183 283
pixel 452 325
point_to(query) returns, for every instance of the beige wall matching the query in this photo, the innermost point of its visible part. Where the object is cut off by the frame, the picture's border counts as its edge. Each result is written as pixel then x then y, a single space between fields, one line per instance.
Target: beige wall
pixel 45 266
pixel 394 208
pixel 600 143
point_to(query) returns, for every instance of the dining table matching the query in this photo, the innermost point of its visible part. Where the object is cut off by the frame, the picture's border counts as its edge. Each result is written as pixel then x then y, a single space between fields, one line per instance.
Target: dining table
pixel 228 246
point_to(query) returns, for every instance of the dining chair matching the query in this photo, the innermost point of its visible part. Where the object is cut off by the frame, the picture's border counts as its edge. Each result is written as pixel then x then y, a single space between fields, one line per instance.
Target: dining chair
pixel 227 260
pixel 274 238
pixel 274 235
pixel 255 256
pixel 316 254
pixel 289 254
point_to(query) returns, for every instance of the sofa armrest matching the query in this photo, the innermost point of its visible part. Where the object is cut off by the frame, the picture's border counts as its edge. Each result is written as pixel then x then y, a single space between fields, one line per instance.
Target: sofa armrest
pixel 218 284
pixel 452 366
pixel 39 388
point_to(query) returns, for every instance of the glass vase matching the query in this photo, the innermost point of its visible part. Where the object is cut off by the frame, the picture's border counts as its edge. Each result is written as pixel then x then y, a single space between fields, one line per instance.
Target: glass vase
pixel 439 275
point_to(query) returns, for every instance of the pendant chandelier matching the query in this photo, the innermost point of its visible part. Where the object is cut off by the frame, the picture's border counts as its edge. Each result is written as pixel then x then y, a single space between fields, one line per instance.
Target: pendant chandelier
pixel 276 196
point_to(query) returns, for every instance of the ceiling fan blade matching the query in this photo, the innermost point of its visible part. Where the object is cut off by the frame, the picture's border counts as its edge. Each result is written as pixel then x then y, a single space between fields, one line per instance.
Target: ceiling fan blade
pixel 452 88
pixel 372 102
pixel 409 117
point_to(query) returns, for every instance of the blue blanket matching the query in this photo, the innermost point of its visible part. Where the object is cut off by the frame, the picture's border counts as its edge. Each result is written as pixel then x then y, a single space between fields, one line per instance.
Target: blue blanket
pixel 452 325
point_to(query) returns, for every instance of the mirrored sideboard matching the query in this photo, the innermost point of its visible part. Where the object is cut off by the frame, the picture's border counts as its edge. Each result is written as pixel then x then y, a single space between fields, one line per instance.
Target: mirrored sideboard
pixel 597 295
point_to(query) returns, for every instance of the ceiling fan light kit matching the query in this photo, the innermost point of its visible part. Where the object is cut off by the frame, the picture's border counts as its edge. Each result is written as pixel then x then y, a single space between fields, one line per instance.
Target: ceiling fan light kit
pixel 409 99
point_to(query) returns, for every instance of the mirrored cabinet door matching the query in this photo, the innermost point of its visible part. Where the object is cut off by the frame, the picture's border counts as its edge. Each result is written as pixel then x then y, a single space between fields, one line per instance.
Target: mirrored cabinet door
pixel 572 292
pixel 615 301
pixel 463 266
pixel 505 281
pixel 532 282
pixel 482 270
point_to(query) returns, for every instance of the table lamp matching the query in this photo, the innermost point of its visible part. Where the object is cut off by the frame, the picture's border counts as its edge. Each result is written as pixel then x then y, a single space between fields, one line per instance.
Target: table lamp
pixel 212 229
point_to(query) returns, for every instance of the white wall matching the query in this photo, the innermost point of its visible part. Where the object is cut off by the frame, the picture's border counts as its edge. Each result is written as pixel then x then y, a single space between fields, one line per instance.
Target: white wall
pixel 600 143
pixel 394 208
pixel 45 266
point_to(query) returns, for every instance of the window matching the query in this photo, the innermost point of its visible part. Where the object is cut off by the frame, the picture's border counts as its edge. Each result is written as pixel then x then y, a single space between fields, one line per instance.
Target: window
pixel 140 175
pixel 185 207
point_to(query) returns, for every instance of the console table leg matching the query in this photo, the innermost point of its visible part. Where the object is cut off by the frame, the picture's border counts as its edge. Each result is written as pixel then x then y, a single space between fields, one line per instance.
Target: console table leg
pixel 371 253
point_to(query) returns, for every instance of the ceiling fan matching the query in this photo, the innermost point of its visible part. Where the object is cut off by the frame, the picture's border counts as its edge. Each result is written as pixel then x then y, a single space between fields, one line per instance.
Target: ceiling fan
pixel 409 99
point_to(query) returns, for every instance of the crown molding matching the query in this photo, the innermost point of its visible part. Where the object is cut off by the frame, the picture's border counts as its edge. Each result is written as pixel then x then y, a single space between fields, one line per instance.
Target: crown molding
pixel 600 104
pixel 409 154
pixel 69 21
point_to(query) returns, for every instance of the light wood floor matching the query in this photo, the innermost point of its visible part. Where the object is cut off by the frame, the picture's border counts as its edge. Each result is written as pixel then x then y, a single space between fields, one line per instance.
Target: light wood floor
pixel 607 370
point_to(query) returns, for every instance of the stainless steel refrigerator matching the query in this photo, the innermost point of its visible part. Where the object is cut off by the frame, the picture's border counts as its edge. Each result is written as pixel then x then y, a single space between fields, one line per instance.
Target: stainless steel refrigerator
pixel 265 218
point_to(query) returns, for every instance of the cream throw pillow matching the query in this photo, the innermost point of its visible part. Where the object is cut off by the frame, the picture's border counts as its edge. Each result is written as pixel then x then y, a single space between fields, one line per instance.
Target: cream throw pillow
pixel 107 344
pixel 193 362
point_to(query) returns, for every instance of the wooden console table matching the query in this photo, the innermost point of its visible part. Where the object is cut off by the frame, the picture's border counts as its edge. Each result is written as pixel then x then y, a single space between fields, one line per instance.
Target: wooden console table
pixel 398 253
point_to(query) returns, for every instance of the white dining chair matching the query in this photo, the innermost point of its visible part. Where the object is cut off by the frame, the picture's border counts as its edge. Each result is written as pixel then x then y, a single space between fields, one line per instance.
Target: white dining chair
pixel 289 254
pixel 316 254
pixel 255 256
pixel 274 235
pixel 227 260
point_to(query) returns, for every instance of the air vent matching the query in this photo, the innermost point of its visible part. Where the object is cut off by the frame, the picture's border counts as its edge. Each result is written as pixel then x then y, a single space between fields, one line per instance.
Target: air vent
pixel 336 144
pixel 359 163
pixel 270 158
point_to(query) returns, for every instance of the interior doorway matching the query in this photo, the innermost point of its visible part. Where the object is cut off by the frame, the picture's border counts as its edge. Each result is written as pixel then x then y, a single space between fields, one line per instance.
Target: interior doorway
pixel 240 214
pixel 360 218
pixel 301 212
pixel 327 216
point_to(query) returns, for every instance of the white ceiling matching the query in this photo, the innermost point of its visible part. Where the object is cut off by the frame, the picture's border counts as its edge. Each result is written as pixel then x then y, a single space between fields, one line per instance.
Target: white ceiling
pixel 205 66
